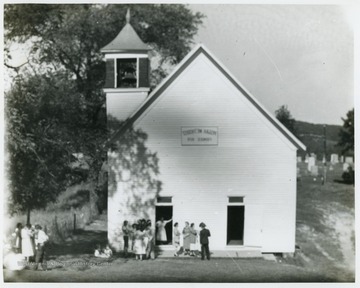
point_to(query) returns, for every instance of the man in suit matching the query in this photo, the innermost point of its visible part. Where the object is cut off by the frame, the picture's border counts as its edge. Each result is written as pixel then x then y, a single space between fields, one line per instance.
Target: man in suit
pixel 204 241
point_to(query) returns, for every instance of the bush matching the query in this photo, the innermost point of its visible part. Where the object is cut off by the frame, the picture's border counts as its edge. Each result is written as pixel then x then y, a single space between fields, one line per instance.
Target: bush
pixel 349 176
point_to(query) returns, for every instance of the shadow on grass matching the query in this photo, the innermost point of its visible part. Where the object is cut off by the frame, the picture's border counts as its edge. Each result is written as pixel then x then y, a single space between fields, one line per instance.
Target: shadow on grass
pixel 82 242
pixel 344 182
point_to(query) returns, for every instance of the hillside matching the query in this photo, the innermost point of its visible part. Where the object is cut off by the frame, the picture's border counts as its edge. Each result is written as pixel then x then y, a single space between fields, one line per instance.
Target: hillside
pixel 312 135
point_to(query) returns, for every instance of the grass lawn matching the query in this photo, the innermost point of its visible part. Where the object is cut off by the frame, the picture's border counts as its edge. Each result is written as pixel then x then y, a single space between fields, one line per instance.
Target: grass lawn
pixel 325 234
pixel 168 270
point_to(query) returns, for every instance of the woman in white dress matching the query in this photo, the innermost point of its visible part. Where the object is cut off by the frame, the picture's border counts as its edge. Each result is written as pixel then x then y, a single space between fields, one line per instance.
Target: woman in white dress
pixel 26 245
pixel 176 239
pixel 161 231
pixel 140 245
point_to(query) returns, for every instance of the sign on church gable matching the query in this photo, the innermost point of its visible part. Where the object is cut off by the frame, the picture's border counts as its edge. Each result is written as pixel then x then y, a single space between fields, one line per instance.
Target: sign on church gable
pixel 199 136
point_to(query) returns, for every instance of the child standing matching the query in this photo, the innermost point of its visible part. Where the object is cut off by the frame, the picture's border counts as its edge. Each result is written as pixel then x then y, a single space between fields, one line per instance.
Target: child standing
pixel 204 241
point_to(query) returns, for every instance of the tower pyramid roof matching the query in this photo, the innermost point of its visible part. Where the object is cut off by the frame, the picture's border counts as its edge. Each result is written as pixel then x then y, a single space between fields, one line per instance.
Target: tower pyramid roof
pixel 126 41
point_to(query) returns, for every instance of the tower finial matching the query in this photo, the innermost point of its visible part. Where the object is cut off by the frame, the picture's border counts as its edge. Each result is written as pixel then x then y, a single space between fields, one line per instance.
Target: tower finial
pixel 128 16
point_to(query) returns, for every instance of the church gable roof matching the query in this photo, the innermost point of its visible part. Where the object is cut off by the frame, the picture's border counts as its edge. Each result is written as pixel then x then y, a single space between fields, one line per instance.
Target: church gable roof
pixel 200 49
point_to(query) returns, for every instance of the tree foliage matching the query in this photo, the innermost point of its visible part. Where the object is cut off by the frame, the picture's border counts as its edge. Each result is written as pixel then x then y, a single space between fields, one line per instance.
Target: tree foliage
pixel 347 133
pixel 71 36
pixel 57 107
pixel 38 150
pixel 284 116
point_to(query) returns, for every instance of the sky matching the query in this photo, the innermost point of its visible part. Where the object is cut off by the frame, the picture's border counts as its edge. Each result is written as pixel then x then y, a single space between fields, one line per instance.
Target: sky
pixel 301 56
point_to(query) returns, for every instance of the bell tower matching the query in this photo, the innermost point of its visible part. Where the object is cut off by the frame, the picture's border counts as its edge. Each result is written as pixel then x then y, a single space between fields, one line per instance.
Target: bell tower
pixel 127 72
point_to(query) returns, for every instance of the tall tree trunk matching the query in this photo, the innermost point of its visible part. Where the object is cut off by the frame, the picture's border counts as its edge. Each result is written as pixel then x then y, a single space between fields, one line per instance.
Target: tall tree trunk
pixel 28 216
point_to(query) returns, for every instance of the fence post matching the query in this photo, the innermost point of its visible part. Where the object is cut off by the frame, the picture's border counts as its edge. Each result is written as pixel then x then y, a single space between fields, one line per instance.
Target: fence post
pixel 74 221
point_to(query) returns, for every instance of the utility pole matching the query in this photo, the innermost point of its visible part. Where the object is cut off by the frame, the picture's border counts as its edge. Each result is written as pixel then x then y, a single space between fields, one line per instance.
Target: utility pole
pixel 324 177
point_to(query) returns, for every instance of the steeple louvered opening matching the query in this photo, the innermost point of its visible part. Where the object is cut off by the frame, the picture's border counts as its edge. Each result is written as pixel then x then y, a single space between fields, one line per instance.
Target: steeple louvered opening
pixel 127 62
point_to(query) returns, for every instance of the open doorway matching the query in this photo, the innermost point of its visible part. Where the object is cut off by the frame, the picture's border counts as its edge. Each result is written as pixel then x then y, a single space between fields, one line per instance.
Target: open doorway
pixel 235 225
pixel 164 237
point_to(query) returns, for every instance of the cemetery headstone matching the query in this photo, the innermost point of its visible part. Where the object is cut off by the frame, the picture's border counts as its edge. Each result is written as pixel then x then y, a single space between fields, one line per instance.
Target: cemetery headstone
pixel 349 159
pixel 314 156
pixel 306 158
pixel 314 170
pixel 311 163
pixel 334 158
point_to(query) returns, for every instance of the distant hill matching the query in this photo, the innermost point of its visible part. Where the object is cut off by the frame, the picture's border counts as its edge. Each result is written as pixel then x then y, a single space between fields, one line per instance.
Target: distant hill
pixel 312 135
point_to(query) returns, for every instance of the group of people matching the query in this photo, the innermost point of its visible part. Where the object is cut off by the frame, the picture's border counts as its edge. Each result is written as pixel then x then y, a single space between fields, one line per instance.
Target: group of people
pixel 142 238
pixel 190 240
pixel 103 253
pixel 30 241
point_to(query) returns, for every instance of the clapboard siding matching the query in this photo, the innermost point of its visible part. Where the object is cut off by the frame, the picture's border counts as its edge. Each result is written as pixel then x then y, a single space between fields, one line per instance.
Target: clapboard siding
pixel 252 159
pixel 122 105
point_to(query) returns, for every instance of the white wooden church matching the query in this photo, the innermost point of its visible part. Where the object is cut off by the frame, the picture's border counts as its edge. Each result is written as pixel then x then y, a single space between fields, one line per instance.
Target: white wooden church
pixel 223 158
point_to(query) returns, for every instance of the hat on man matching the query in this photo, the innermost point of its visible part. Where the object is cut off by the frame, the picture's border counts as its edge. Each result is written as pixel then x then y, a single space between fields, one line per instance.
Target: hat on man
pixel 202 225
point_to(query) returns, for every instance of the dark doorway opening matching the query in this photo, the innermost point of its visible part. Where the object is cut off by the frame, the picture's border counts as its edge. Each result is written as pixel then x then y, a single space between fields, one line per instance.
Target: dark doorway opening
pixel 165 212
pixel 235 225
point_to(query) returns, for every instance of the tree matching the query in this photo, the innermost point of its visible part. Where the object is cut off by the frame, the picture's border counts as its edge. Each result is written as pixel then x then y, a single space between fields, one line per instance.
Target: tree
pixel 284 116
pixel 59 94
pixel 71 36
pixel 37 146
pixel 346 133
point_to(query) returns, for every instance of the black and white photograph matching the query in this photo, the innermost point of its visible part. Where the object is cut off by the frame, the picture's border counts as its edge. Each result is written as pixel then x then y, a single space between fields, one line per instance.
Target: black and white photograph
pixel 179 142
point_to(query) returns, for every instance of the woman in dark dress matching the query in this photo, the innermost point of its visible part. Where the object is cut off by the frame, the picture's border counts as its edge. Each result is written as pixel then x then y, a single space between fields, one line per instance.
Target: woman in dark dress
pixel 193 237
pixel 17 240
pixel 186 237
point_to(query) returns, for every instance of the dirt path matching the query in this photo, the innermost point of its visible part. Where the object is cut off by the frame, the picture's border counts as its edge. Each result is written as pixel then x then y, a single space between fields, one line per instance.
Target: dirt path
pixel 344 232
pixel 330 247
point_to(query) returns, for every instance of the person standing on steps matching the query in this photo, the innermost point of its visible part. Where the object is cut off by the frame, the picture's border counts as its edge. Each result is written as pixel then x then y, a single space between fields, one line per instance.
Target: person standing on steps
pixel 161 231
pixel 204 241
pixel 126 232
